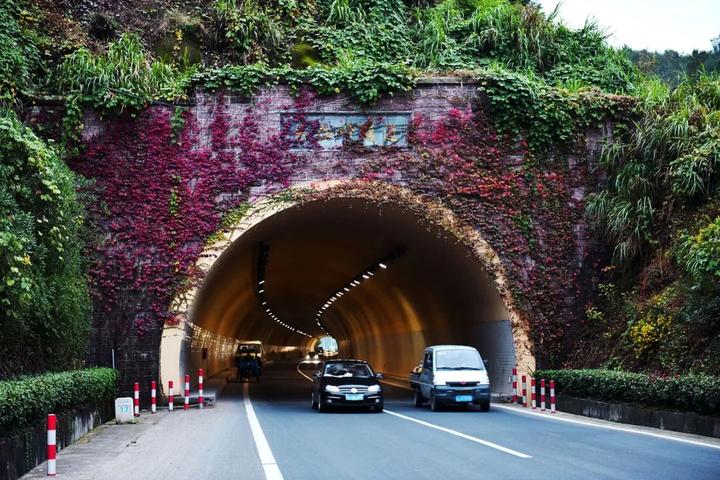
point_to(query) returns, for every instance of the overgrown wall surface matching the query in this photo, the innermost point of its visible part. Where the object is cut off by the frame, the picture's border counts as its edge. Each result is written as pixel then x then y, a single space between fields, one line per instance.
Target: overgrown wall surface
pixel 168 179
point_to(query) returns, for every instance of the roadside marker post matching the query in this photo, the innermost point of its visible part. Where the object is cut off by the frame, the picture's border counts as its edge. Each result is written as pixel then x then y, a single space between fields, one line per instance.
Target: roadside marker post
pixel 201 374
pixel 171 398
pixel 514 384
pixel 552 396
pixel 542 394
pixel 136 399
pixel 51 445
pixel 187 391
pixel 532 392
pixel 524 391
pixel 153 398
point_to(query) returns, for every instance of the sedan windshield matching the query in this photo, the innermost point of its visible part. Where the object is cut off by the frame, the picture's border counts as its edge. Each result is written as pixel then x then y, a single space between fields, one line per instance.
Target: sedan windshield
pixel 347 370
pixel 458 360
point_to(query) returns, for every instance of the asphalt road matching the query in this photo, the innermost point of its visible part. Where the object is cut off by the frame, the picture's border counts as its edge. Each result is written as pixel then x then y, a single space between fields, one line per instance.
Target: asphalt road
pixel 349 445
pixel 277 435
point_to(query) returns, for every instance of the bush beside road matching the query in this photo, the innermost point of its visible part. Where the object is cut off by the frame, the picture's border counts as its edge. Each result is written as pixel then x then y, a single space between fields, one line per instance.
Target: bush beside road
pixel 30 398
pixel 689 393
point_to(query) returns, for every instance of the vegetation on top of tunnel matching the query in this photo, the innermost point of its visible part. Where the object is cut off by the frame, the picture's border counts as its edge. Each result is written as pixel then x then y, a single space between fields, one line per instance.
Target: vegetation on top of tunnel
pixel 365 49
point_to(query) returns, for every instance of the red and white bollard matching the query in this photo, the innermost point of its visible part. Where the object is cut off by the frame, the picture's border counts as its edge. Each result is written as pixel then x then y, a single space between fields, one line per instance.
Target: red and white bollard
pixel 153 399
pixel 552 396
pixel 171 398
pixel 201 374
pixel 136 399
pixel 542 394
pixel 51 444
pixel 514 384
pixel 532 392
pixel 187 391
pixel 524 391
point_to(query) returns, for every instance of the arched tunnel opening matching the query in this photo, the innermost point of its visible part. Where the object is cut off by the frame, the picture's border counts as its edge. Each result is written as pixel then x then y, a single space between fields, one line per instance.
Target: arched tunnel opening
pixel 373 277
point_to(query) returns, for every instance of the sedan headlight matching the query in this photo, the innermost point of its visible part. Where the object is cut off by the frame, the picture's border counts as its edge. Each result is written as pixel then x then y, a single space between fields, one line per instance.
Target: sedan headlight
pixel 373 388
pixel 332 388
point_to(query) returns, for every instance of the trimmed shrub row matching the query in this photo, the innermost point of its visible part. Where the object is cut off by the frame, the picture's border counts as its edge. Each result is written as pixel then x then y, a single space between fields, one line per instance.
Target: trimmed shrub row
pixel 27 399
pixel 691 393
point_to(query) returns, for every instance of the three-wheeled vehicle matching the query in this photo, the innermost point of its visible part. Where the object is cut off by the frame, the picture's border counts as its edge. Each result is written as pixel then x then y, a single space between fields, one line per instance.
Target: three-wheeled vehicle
pixel 248 360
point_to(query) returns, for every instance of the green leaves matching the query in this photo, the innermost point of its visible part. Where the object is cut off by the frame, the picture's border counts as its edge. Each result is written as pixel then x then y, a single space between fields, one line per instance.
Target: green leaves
pixel 30 398
pixel 42 284
pixel 693 393
pixel 666 159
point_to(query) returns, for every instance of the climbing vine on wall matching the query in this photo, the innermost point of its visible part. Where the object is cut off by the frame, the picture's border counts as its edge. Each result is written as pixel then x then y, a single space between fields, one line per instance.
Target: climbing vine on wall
pixel 165 191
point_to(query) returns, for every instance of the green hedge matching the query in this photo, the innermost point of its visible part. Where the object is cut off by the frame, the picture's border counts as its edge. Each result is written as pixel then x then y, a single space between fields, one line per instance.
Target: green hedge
pixel 27 399
pixel 692 393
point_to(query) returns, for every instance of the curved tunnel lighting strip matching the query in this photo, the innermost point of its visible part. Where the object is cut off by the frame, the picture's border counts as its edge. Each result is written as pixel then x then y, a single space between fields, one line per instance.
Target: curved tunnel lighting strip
pixel 366 274
pixel 263 257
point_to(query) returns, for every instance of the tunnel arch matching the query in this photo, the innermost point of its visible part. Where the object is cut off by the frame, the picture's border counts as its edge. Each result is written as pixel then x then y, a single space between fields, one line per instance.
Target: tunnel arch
pixel 210 322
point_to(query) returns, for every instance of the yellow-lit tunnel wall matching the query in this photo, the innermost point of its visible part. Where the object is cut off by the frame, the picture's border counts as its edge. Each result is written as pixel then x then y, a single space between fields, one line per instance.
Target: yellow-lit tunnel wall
pixel 435 292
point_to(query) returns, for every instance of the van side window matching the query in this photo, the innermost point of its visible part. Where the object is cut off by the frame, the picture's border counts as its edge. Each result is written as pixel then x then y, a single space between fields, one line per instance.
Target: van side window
pixel 427 363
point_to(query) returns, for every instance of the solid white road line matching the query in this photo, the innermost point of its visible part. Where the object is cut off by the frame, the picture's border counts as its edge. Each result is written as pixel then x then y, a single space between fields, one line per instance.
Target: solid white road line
pixel 446 430
pixel 267 459
pixel 461 435
pixel 546 416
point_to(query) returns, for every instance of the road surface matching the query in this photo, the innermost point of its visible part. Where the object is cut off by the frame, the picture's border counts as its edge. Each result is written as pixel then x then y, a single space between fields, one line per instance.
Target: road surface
pixel 273 433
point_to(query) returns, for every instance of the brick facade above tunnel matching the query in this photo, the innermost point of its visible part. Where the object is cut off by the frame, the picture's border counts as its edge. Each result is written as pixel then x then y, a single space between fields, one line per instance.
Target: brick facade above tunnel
pixel 168 179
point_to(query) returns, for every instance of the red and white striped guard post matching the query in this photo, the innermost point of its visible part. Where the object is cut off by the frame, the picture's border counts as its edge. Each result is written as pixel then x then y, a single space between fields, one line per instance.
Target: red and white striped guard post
pixel 201 374
pixel 514 384
pixel 136 399
pixel 532 393
pixel 552 396
pixel 171 397
pixel 542 394
pixel 524 391
pixel 187 391
pixel 51 445
pixel 153 399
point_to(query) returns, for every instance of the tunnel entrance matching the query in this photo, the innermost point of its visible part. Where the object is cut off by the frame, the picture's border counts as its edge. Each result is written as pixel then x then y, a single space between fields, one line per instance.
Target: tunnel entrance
pixel 373 277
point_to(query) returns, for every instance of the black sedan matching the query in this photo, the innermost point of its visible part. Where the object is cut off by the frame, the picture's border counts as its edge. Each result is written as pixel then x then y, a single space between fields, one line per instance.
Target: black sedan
pixel 347 383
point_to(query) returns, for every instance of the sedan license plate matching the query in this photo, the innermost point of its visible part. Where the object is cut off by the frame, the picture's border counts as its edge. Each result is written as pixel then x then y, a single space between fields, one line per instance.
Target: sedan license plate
pixel 354 396
pixel 463 398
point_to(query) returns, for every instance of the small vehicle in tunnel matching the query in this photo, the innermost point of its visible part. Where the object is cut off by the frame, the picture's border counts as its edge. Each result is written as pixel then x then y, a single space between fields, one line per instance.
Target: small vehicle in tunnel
pixel 248 361
pixel 451 375
pixel 347 383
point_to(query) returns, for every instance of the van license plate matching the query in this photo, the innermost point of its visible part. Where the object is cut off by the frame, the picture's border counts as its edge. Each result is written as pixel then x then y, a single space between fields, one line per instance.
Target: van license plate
pixel 357 396
pixel 463 398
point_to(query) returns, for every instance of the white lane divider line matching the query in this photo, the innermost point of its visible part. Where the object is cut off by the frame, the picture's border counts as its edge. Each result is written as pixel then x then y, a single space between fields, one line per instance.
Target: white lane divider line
pixel 545 416
pixel 267 459
pixel 446 430
pixel 461 435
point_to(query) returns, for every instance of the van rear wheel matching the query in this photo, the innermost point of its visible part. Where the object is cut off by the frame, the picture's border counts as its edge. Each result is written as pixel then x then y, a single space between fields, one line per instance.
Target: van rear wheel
pixel 434 404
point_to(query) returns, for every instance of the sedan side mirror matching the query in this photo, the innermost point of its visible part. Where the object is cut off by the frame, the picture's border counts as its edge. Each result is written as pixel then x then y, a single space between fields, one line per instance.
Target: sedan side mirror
pixel 378 375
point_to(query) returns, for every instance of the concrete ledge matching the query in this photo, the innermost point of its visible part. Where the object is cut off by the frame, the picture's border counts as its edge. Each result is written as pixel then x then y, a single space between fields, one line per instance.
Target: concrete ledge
pixel 643 416
pixel 25 449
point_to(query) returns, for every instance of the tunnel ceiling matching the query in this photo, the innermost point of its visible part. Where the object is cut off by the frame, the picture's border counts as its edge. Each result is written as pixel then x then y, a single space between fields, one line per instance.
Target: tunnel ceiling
pixel 435 291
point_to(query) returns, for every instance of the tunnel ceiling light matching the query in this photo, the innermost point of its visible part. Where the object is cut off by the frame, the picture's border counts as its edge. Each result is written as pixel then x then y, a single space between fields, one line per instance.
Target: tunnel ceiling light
pixel 382 265
pixel 365 276
pixel 261 282
pixel 262 290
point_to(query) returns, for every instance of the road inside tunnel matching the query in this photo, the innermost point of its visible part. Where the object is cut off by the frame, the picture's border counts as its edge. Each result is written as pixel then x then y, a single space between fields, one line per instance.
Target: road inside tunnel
pixel 374 277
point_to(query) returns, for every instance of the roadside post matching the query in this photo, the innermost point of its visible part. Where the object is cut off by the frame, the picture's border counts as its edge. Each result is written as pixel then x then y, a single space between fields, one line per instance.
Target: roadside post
pixel 552 396
pixel 153 399
pixel 514 385
pixel 201 374
pixel 171 398
pixel 136 399
pixel 51 445
pixel 542 394
pixel 524 391
pixel 187 391
pixel 532 392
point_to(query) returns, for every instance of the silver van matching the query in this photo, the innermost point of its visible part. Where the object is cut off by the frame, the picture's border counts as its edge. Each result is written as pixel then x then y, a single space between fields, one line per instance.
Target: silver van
pixel 451 374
